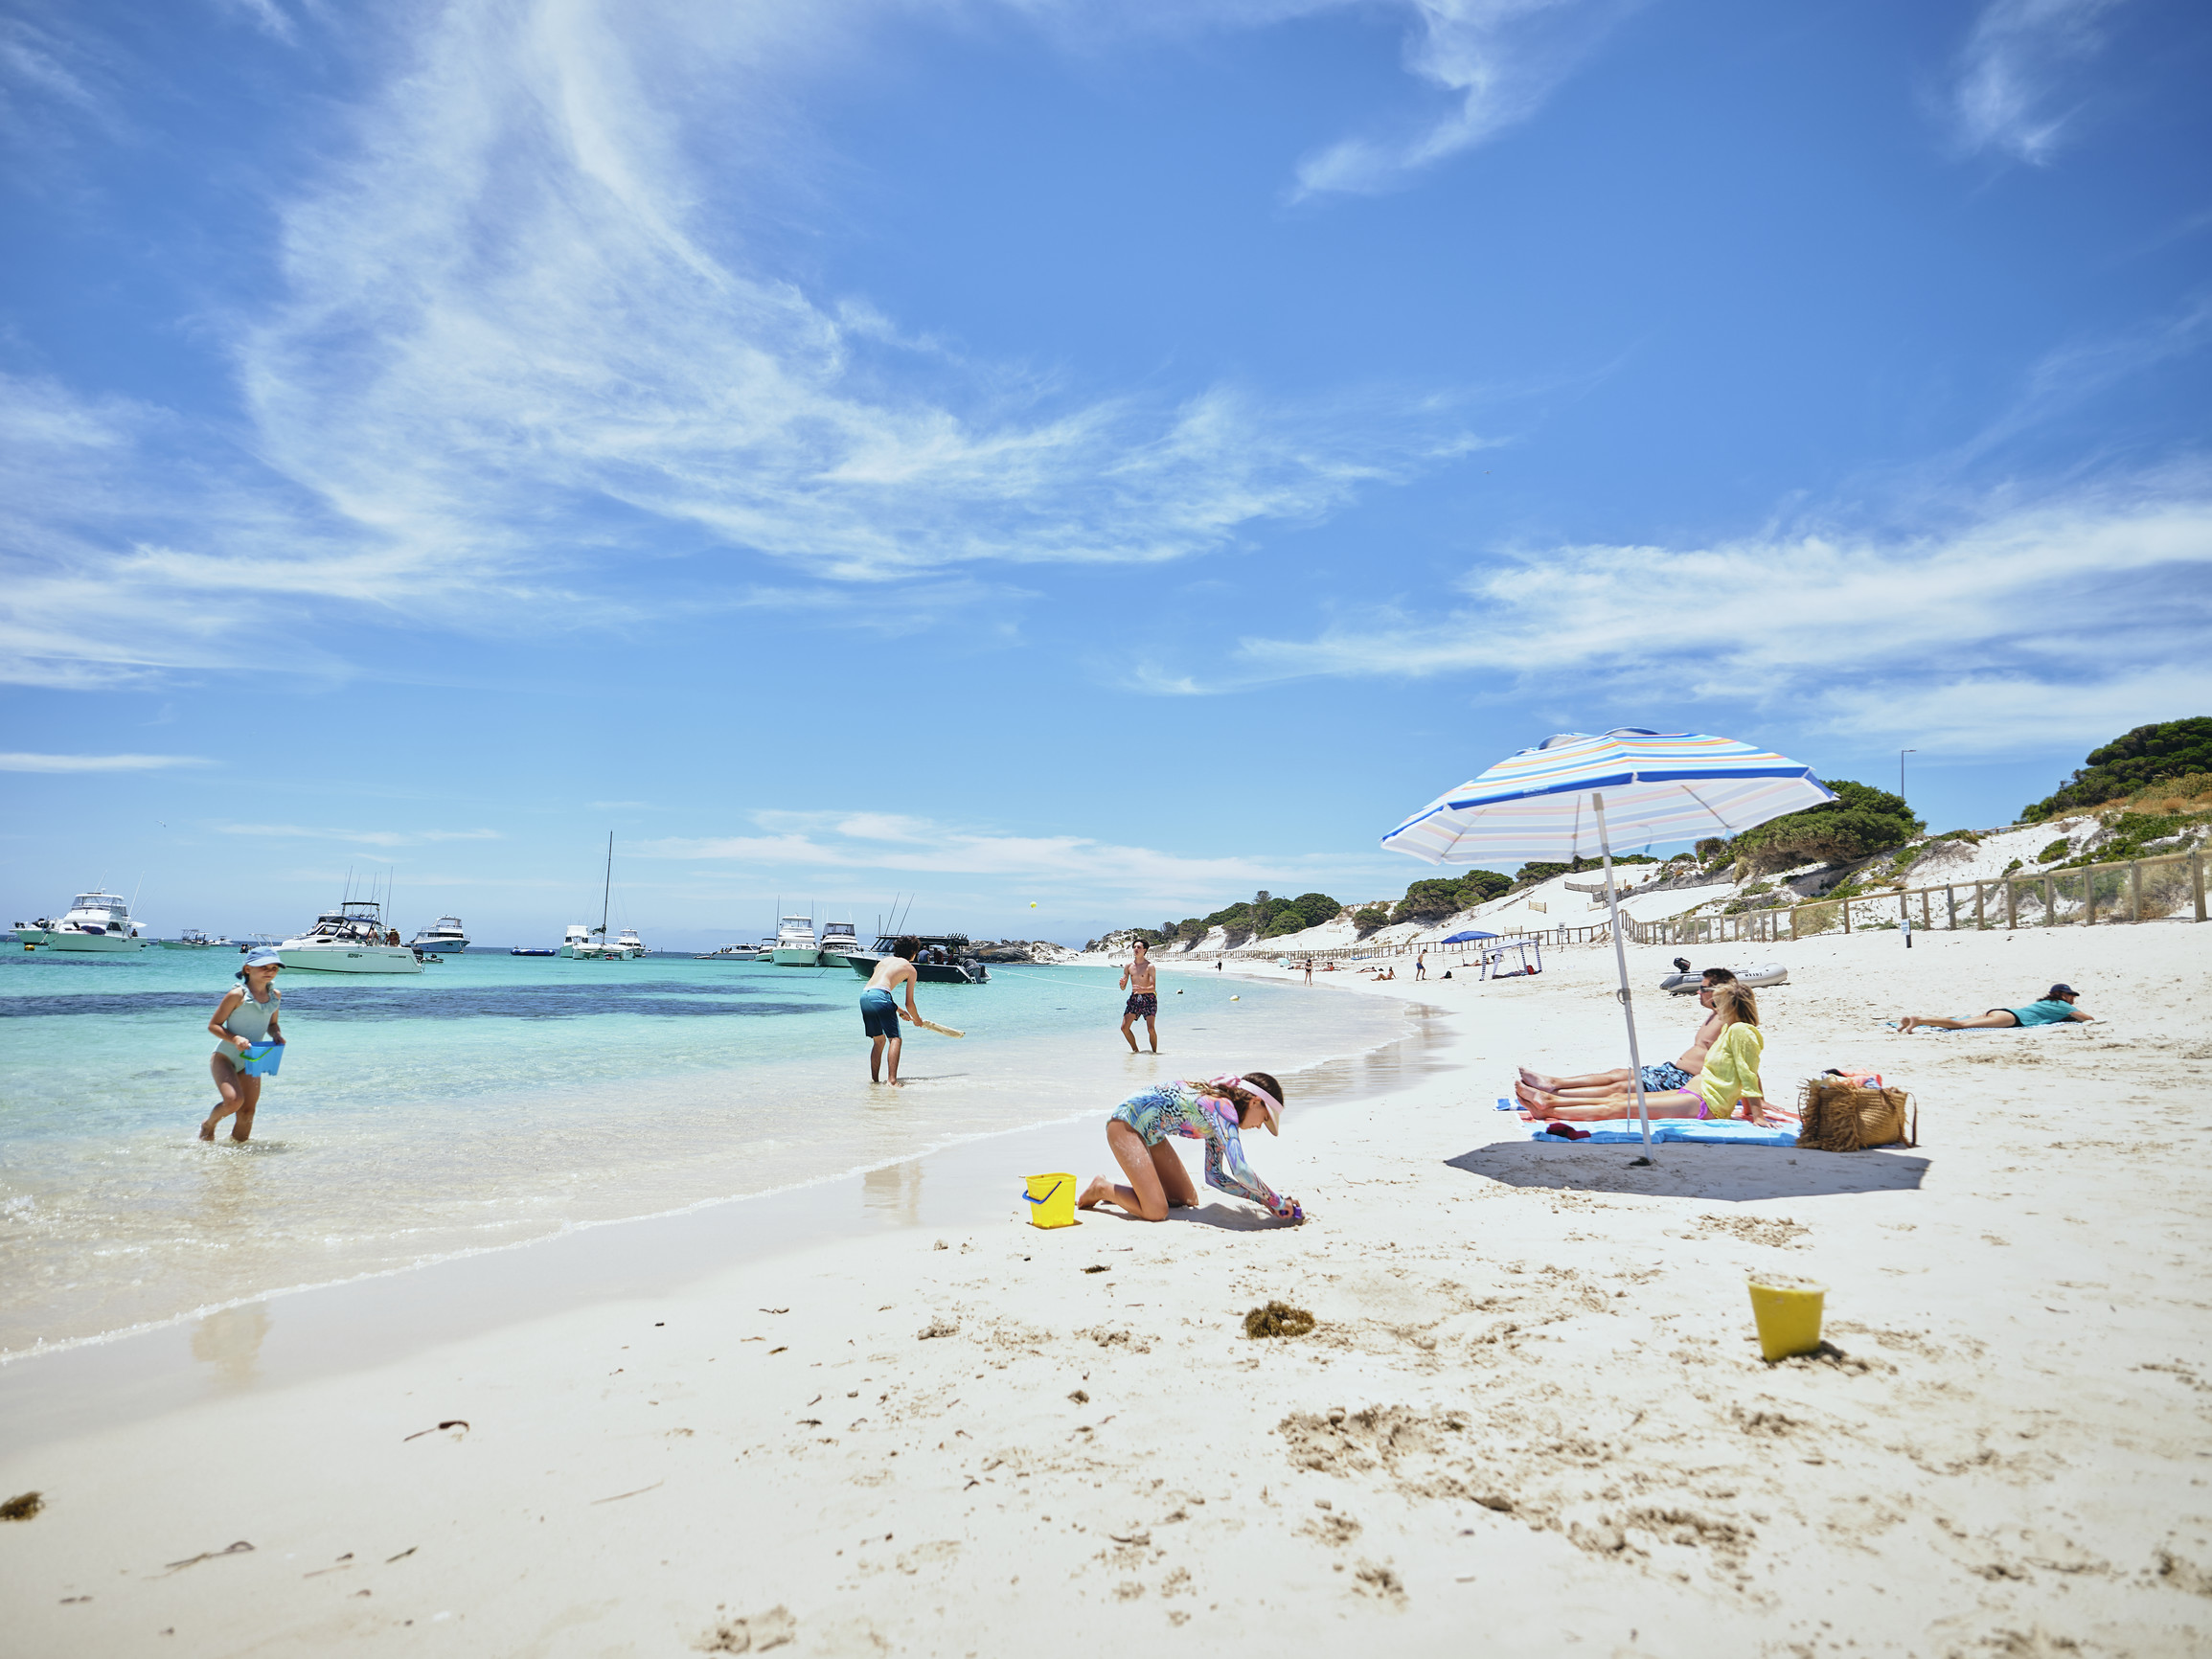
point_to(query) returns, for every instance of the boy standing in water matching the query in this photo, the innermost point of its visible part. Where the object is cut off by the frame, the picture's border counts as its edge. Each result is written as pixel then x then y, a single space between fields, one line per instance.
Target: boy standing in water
pixel 879 1009
pixel 1141 977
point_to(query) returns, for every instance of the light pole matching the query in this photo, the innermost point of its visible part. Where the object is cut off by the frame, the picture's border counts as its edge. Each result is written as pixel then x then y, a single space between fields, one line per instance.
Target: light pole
pixel 1900 755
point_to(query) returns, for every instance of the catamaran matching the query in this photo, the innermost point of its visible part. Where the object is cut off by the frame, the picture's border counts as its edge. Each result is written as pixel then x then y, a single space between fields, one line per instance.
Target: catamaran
pixel 583 943
pixel 96 923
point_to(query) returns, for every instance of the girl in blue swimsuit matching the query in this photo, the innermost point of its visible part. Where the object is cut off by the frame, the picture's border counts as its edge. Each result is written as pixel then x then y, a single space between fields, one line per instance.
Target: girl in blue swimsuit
pixel 1217 1111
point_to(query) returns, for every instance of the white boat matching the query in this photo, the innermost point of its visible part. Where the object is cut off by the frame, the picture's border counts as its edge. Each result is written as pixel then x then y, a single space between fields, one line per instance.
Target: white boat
pixel 193 939
pixel 443 936
pixel 838 941
pixel 352 939
pixel 583 943
pixel 795 944
pixel 96 923
pixel 728 953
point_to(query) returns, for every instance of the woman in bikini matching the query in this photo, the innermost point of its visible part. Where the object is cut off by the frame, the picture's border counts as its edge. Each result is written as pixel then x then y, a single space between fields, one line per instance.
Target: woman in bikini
pixel 1729 1077
pixel 1215 1110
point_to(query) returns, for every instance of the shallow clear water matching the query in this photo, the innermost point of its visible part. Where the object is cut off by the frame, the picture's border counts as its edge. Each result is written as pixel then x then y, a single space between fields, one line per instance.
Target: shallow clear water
pixel 493 1100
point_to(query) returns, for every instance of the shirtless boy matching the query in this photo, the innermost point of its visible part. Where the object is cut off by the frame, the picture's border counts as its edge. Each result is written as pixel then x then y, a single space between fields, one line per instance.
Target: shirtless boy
pixel 1141 977
pixel 879 1009
pixel 1659 1078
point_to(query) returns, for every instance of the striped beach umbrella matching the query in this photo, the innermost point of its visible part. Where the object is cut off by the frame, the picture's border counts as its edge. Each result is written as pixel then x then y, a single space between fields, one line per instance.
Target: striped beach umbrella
pixel 1568 796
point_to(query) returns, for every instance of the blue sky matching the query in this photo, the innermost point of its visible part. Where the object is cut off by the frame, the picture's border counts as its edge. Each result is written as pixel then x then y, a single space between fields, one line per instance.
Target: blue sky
pixel 1105 456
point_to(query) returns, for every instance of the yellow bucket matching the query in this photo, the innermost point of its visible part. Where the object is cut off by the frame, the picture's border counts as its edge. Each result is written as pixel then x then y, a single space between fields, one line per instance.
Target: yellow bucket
pixel 1788 1311
pixel 1051 1200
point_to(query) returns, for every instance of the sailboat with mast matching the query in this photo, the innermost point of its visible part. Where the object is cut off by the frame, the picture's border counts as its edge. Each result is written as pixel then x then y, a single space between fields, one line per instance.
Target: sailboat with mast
pixel 592 944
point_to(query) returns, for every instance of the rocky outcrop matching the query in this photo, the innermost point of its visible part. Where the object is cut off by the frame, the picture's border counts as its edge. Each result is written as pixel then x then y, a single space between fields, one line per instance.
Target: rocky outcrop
pixel 1042 951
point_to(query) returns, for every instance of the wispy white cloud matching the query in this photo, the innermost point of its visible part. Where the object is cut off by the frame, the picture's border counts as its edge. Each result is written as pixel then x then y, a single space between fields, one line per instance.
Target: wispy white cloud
pixel 802 842
pixel 1497 60
pixel 528 338
pixel 2004 96
pixel 23 762
pixel 2024 626
pixel 363 837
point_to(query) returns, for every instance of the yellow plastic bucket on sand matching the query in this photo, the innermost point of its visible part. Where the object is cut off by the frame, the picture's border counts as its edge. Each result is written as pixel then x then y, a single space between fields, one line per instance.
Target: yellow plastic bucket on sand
pixel 1051 1200
pixel 1788 1311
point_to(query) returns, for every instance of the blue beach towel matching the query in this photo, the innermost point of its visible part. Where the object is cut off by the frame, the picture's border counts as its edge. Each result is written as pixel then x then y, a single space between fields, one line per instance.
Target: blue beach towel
pixel 1707 1132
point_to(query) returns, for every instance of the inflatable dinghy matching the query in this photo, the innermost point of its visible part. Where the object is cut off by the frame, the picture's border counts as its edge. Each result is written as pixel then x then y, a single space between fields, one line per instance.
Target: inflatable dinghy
pixel 1692 981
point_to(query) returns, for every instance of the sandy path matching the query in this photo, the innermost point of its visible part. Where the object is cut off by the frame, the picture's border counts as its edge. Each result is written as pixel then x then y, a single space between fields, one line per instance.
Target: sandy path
pixel 1531 1417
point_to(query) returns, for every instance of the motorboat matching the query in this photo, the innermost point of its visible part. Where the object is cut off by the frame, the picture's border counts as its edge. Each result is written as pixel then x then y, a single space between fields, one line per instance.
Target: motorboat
pixel 193 938
pixel 943 958
pixel 537 950
pixel 729 953
pixel 796 945
pixel 628 943
pixel 838 941
pixel 442 938
pixel 95 924
pixel 352 939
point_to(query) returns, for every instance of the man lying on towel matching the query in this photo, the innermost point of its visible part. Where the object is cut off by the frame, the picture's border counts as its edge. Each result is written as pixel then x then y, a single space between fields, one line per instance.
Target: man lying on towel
pixel 1659 1076
pixel 2056 1008
pixel 1730 1078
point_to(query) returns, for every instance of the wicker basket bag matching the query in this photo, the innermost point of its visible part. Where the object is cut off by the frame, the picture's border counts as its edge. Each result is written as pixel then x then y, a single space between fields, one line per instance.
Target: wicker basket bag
pixel 1838 1114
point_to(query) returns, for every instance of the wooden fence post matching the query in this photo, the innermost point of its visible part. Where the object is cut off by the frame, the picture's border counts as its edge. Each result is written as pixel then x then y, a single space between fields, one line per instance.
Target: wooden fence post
pixel 1847 916
pixel 2134 890
pixel 1950 908
pixel 2012 903
pixel 2050 902
pixel 2090 894
pixel 1978 918
pixel 2197 881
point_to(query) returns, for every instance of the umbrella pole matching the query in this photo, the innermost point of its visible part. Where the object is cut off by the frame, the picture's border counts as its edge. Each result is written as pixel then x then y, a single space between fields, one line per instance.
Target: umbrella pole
pixel 1621 961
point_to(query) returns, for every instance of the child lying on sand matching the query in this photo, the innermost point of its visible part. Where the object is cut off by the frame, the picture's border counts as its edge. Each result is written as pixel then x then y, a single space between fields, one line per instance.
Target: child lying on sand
pixel 1731 1076
pixel 2056 1008
pixel 1215 1112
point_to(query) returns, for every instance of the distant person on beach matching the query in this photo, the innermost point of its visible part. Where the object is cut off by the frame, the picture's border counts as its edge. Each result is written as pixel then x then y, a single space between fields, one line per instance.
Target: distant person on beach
pixel 1142 979
pixel 879 1009
pixel 246 1015
pixel 1661 1076
pixel 1729 1077
pixel 1420 966
pixel 1215 1110
pixel 1308 971
pixel 2056 1008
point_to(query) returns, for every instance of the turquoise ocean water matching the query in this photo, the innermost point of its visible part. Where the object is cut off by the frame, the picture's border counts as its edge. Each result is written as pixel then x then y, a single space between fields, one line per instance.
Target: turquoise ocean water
pixel 494 1100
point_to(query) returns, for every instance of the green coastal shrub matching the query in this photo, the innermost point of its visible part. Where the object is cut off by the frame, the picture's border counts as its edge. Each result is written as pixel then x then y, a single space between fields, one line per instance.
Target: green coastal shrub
pixel 1366 921
pixel 2056 850
pixel 1859 822
pixel 2168 749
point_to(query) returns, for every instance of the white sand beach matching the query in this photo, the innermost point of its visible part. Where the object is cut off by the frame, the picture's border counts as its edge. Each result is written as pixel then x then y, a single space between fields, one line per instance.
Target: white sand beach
pixel 1531 1417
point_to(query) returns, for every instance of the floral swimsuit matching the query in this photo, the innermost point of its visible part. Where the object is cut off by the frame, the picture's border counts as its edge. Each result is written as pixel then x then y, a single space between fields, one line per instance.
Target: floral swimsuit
pixel 1178 1108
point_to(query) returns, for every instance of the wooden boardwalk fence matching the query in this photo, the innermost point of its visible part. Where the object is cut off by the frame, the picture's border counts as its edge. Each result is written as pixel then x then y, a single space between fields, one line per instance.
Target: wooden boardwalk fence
pixel 2128 891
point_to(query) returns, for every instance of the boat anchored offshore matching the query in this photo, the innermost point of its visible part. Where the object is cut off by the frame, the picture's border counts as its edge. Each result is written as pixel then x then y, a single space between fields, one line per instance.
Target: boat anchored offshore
pixel 193 938
pixel 96 923
pixel 443 936
pixel 351 938
pixel 943 958
pixel 838 941
pixel 795 944
pixel 581 944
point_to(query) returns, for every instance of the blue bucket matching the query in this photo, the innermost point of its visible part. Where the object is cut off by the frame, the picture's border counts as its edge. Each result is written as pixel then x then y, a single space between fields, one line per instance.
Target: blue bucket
pixel 262 1059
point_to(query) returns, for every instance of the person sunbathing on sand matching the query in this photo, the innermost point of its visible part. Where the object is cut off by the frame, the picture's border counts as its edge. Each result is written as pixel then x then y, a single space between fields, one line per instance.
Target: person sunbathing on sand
pixel 1216 1111
pixel 1731 1077
pixel 2056 1008
pixel 1661 1076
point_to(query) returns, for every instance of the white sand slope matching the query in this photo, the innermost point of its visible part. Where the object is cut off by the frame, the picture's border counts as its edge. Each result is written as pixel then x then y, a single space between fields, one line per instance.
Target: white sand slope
pixel 1532 1419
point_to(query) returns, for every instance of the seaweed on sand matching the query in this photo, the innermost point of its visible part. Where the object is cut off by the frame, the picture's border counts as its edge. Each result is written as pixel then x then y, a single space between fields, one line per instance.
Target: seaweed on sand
pixel 1278 1319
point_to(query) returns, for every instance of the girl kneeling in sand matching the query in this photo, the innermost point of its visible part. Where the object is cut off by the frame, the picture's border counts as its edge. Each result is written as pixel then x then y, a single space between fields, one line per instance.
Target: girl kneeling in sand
pixel 1216 1111
pixel 246 1015
pixel 1731 1075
